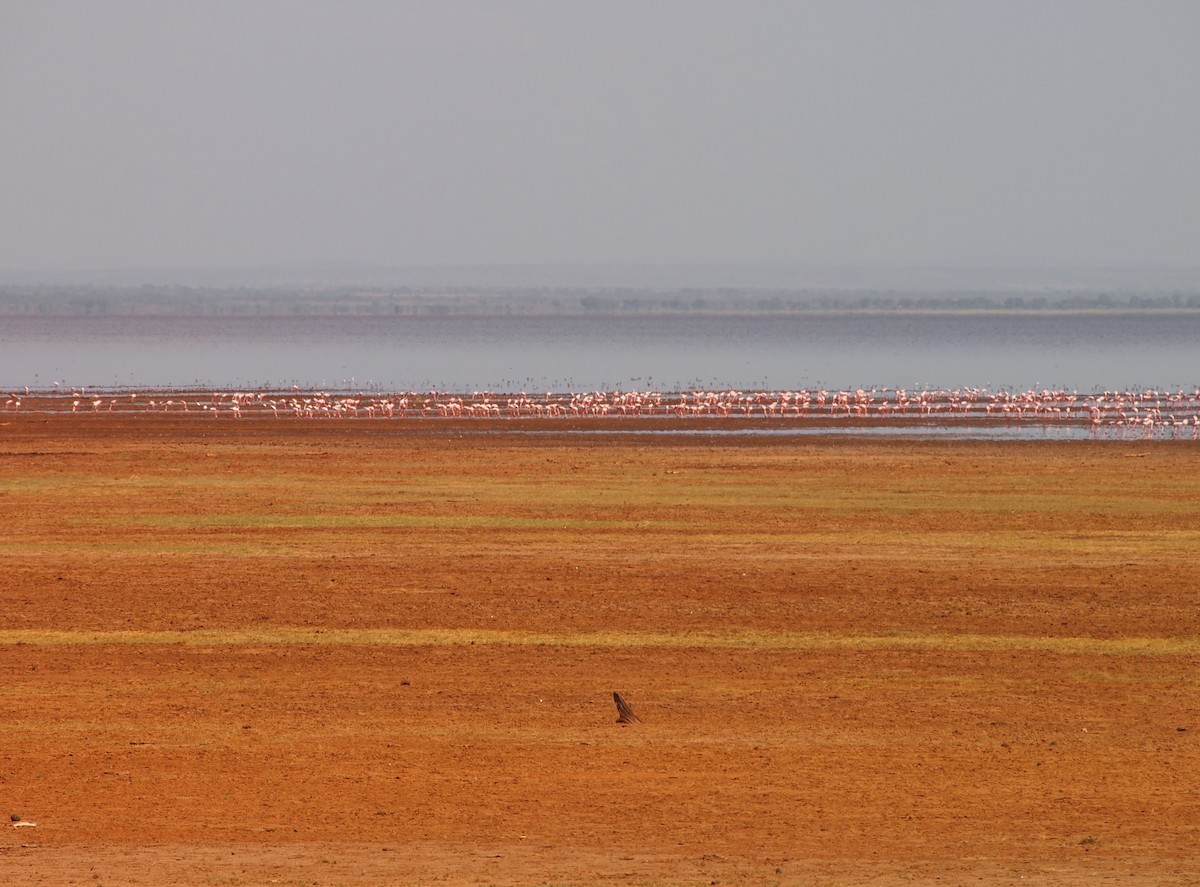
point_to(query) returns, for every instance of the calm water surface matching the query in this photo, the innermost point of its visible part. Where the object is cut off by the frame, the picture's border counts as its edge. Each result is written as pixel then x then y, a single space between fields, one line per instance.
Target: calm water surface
pixel 1084 353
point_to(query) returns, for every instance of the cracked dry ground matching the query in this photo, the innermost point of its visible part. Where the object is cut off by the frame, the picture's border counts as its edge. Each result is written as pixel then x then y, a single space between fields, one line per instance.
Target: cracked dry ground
pixel 371 653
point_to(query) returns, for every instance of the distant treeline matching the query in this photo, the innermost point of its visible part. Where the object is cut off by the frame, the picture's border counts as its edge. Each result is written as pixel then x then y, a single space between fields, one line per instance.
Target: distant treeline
pixel 202 301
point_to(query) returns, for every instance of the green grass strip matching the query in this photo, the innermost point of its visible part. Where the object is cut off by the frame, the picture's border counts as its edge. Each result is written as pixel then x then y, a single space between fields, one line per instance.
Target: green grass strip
pixel 723 640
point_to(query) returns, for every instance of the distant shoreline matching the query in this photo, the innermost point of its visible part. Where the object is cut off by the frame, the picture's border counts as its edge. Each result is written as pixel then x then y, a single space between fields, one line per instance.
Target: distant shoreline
pixel 70 301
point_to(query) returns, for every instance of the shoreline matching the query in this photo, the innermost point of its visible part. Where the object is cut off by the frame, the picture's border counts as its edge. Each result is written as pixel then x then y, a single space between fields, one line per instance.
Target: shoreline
pixel 963 412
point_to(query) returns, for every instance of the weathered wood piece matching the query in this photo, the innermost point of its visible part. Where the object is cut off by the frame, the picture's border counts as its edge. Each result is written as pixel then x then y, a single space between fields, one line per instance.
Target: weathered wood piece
pixel 625 714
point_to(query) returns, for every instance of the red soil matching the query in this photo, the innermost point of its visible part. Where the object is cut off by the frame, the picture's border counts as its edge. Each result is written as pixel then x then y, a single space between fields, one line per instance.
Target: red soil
pixel 335 653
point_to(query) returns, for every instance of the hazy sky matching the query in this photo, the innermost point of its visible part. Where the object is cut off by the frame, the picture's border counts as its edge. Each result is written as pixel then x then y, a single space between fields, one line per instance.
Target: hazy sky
pixel 224 134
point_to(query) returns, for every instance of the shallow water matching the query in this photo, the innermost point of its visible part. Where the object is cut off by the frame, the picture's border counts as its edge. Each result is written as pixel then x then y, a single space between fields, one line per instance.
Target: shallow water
pixel 928 430
pixel 465 353
pixel 948 413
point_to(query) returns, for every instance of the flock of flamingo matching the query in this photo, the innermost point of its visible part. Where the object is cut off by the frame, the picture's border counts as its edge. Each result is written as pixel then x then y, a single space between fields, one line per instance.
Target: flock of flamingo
pixel 1141 413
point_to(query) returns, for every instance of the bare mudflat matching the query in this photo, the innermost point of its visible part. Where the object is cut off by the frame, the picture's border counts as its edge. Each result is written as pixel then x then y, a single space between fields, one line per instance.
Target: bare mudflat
pixel 356 653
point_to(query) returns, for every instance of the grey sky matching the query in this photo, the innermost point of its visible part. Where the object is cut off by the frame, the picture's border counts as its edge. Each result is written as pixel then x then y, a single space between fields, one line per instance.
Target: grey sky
pixel 223 134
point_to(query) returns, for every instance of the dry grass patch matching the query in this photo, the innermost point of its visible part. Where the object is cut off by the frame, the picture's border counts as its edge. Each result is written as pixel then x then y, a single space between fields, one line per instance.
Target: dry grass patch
pixel 741 640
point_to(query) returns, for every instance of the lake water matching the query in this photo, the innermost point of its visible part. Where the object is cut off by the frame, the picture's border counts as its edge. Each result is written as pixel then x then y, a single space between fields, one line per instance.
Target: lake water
pixel 1086 353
